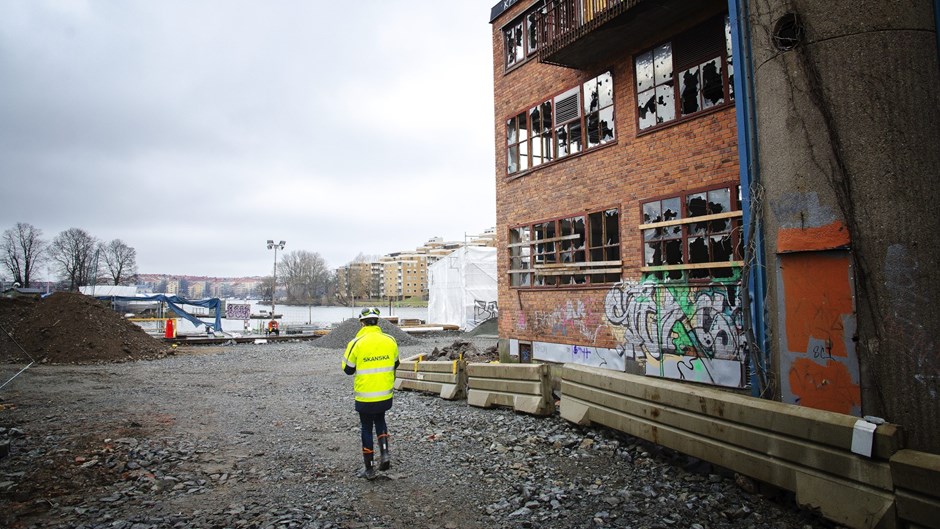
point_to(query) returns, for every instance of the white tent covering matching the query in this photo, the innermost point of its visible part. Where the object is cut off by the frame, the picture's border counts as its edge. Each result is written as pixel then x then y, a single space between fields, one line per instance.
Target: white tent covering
pixel 462 287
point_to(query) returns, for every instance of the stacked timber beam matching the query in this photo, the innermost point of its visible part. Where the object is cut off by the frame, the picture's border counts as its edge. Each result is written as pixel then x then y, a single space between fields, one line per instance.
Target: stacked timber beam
pixel 525 388
pixel 800 449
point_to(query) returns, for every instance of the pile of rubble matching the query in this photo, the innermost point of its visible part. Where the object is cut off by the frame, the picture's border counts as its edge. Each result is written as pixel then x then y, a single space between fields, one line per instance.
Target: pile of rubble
pixel 341 335
pixel 463 350
pixel 71 328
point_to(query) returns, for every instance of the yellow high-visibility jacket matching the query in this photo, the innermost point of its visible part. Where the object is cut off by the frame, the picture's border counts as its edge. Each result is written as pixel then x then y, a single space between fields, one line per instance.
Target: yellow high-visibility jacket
pixel 373 355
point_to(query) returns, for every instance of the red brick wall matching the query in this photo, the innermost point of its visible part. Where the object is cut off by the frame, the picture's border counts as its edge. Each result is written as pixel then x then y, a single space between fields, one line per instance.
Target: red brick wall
pixel 688 155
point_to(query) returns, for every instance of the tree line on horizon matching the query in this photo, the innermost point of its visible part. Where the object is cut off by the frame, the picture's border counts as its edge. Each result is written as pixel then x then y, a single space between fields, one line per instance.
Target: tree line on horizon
pixel 78 259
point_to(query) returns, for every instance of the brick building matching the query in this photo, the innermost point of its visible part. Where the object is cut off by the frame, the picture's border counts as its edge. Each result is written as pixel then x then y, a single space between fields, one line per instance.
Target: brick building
pixel 617 186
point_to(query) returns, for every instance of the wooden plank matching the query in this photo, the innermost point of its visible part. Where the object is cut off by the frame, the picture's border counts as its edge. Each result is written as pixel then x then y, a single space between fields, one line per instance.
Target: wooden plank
pixel 580 272
pixel 544 241
pixel 829 428
pixel 692 266
pixel 799 451
pixel 585 264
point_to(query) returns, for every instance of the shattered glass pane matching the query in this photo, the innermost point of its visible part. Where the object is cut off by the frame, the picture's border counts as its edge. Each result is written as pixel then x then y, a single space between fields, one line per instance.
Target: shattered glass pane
pixel 674 251
pixel 535 119
pixel 662 63
pixel 689 83
pixel 593 130
pixel 532 31
pixel 605 89
pixel 696 205
pixel 646 109
pixel 653 254
pixel 730 58
pixel 719 200
pixel 512 159
pixel 597 231
pixel 562 134
pixel 672 209
pixel 644 72
pixel 547 116
pixel 713 86
pixel 722 272
pixel 611 217
pixel 652 212
pixel 591 96
pixel 665 103
pixel 574 137
pixel 607 124
pixel 511 132
pixel 523 131
pixel 698 250
pixel 721 247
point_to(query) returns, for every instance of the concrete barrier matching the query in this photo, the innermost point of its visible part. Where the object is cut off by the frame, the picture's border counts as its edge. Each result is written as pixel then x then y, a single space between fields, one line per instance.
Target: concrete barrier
pixel 916 478
pixel 800 449
pixel 445 378
pixel 523 387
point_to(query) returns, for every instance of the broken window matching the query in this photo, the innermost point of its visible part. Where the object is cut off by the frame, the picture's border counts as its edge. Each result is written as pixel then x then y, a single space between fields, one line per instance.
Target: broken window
pixel 693 236
pixel 520 37
pixel 575 120
pixel 689 74
pixel 577 250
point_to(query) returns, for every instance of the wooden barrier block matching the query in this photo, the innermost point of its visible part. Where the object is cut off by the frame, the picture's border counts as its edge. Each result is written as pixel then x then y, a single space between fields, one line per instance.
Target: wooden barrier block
pixel 525 388
pixel 916 476
pixel 445 378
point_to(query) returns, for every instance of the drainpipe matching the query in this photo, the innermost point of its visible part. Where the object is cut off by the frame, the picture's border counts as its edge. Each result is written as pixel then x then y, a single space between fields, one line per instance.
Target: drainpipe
pixel 936 17
pixel 738 14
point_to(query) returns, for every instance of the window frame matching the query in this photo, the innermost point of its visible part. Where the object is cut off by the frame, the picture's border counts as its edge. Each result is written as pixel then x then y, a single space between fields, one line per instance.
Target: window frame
pixel 550 138
pixel 689 271
pixel 557 260
pixel 527 29
pixel 675 82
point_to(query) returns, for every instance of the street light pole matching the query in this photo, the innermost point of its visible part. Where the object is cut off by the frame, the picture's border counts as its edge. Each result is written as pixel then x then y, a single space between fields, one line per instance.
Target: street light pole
pixel 275 247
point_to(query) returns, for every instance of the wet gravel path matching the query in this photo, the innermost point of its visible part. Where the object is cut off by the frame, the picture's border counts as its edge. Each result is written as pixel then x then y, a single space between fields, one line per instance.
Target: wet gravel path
pixel 265 436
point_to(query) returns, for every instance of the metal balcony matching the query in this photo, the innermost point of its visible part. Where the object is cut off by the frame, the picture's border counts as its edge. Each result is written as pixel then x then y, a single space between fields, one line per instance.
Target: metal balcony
pixel 583 33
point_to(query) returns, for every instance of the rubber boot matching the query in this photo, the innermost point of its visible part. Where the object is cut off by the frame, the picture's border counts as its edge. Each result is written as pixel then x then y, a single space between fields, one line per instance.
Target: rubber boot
pixel 369 471
pixel 385 456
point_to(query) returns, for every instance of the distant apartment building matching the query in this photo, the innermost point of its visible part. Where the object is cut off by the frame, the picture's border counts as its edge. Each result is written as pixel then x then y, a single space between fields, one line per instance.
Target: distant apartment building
pixel 402 275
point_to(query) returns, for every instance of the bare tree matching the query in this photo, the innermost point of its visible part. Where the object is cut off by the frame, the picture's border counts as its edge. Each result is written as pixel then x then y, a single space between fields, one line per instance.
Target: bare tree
pixel 73 252
pixel 120 261
pixel 305 274
pixel 23 252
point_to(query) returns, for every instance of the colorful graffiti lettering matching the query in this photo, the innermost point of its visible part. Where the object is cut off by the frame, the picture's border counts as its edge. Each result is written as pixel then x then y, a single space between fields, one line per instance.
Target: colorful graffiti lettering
pixel 681 331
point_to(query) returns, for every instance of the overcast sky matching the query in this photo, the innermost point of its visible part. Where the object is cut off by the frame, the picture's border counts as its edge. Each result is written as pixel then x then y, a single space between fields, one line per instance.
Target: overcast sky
pixel 195 130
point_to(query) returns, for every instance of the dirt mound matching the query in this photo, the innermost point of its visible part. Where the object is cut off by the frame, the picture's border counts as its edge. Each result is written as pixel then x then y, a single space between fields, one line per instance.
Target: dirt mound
pixel 346 331
pixel 70 328
pixel 466 350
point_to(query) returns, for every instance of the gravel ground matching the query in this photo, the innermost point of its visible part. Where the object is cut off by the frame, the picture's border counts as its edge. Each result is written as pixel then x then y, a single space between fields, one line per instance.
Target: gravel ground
pixel 265 436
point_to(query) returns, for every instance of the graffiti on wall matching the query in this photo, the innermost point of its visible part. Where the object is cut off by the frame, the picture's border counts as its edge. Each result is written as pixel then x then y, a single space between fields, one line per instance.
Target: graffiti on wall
pixel 681 331
pixel 484 310
pixel 575 319
pixel 579 354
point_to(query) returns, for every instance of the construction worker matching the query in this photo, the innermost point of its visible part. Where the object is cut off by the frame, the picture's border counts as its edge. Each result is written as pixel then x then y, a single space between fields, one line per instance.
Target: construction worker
pixel 273 328
pixel 373 357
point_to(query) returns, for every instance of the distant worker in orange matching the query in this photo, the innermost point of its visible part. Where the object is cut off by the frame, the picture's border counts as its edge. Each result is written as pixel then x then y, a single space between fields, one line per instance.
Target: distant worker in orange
pixel 273 329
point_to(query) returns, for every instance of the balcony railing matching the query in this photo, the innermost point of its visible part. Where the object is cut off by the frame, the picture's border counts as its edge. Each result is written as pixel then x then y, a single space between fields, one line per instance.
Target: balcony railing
pixel 565 21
